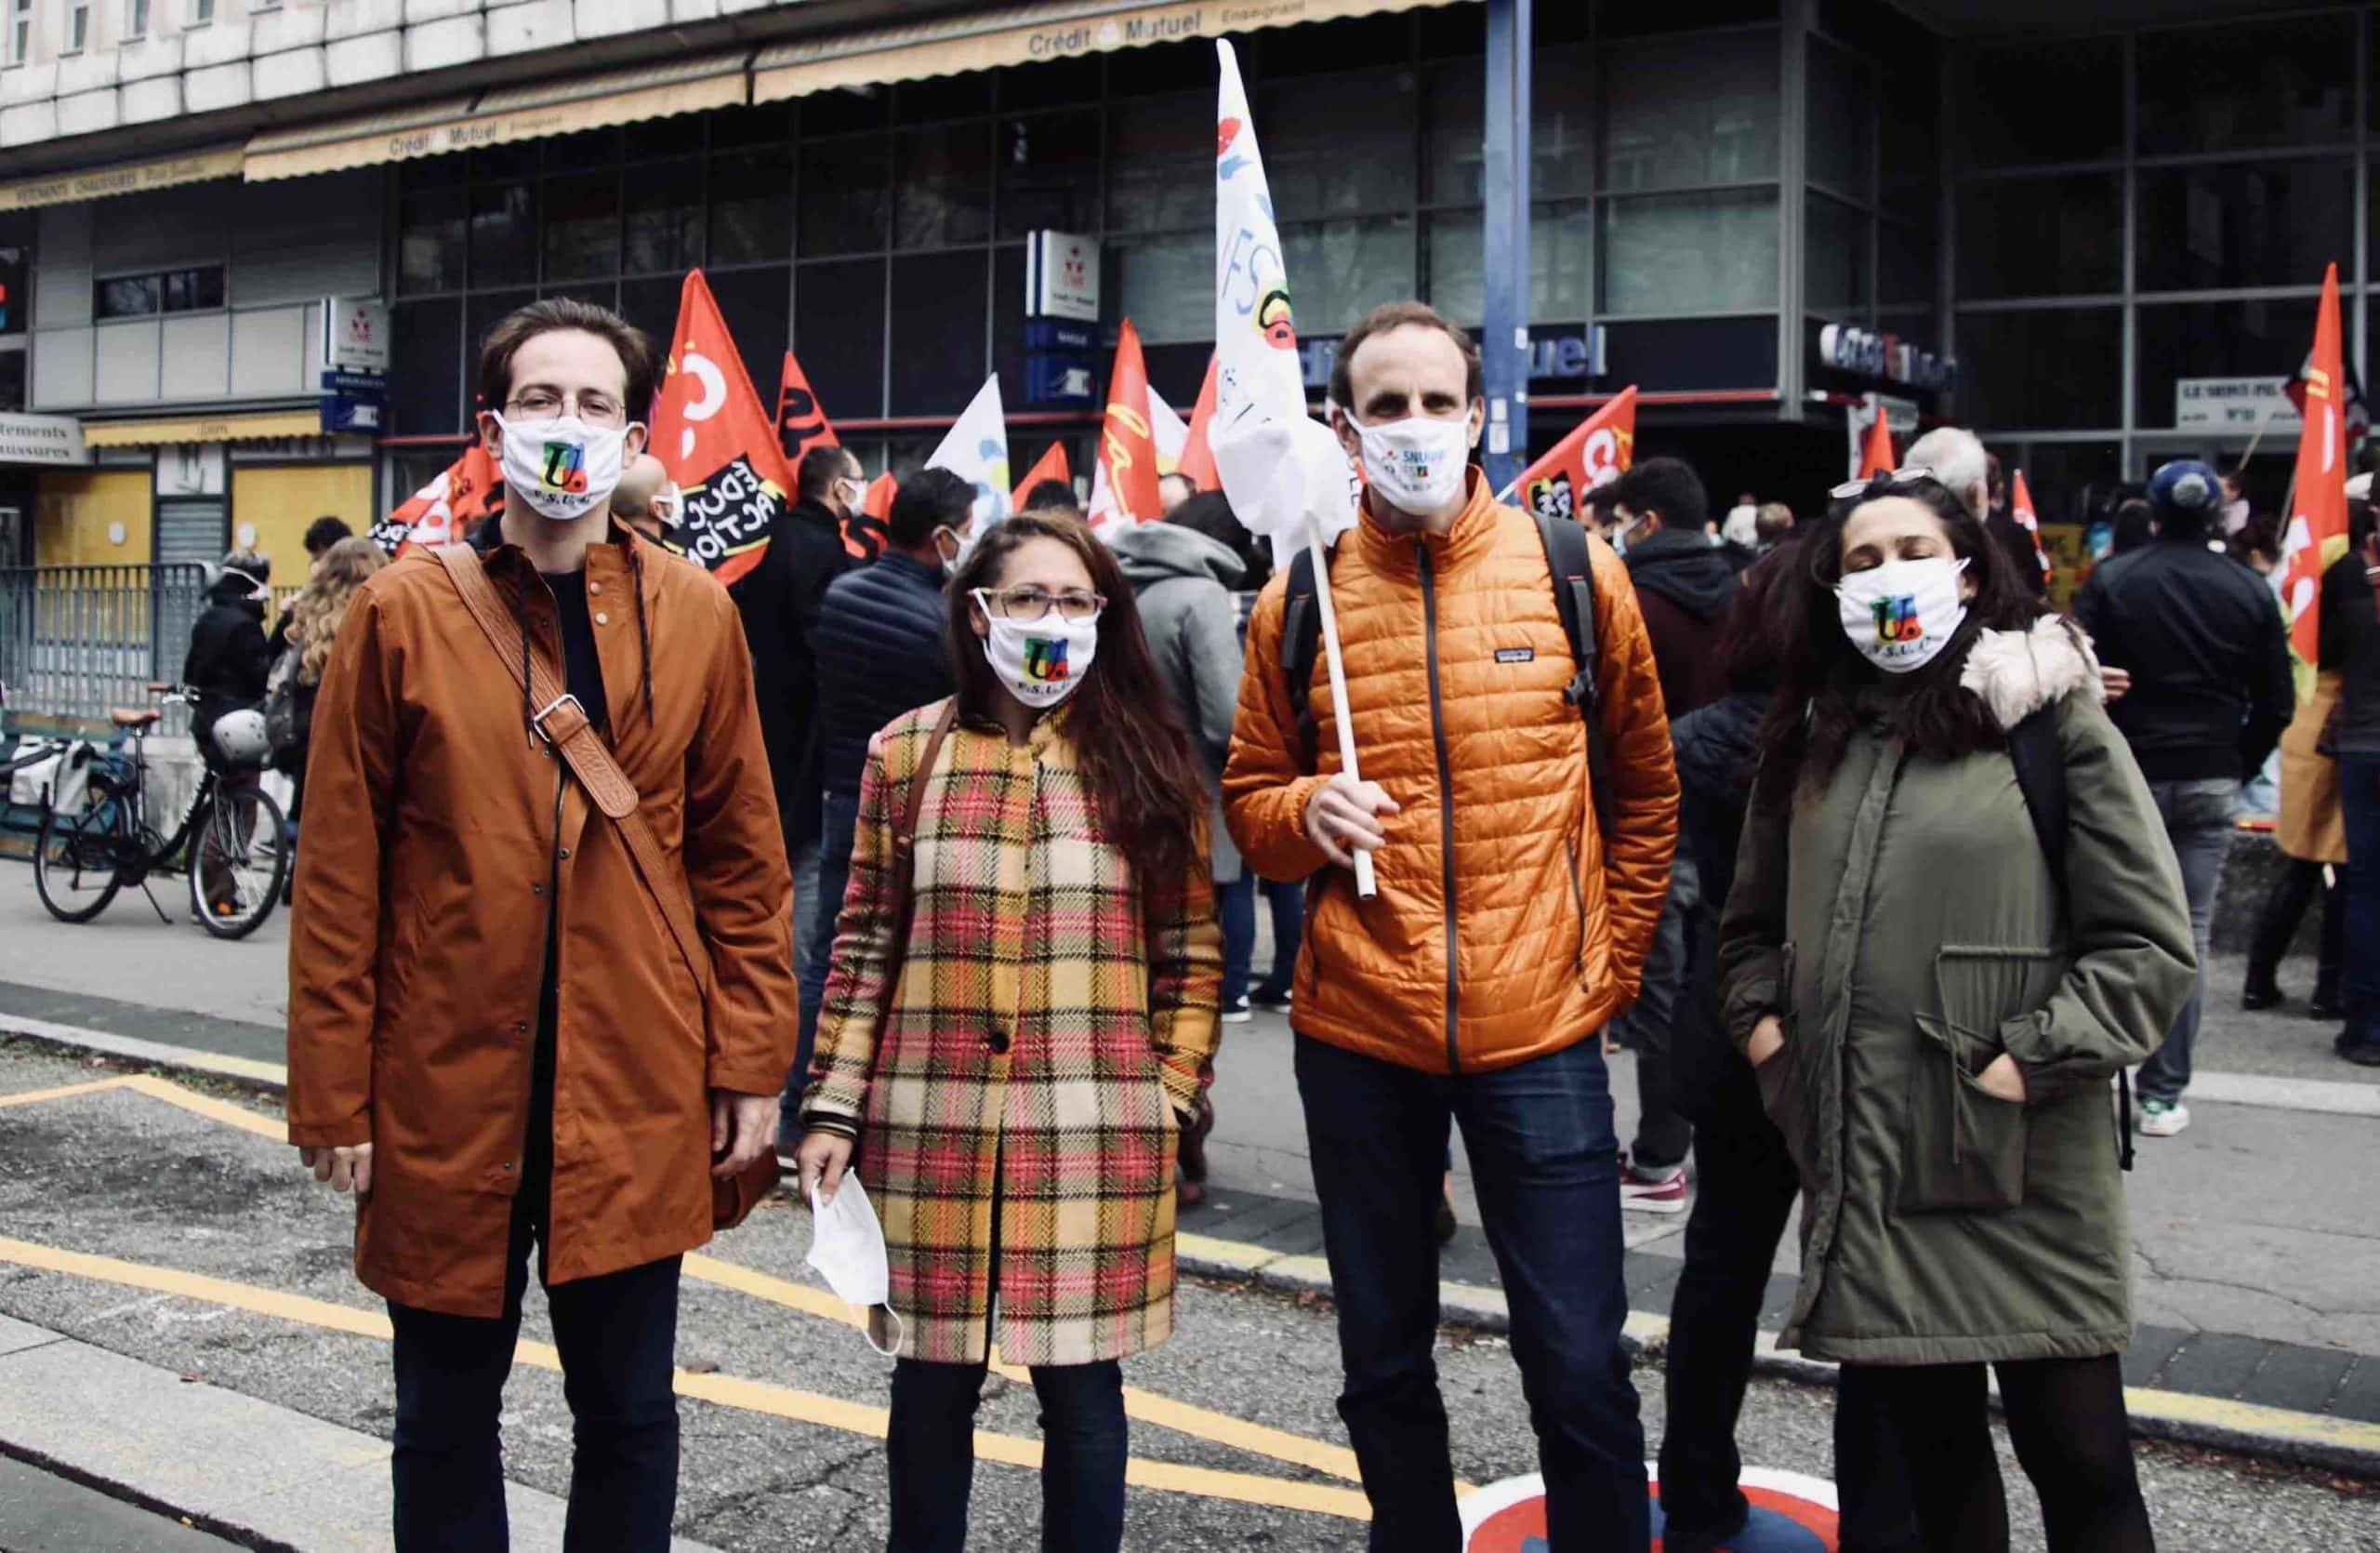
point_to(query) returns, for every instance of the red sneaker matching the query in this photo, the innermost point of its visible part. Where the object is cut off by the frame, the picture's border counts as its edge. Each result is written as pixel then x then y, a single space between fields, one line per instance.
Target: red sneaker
pixel 1652 1191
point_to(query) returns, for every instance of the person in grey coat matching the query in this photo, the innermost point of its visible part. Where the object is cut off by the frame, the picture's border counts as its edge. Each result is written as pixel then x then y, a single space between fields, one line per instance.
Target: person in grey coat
pixel 1183 573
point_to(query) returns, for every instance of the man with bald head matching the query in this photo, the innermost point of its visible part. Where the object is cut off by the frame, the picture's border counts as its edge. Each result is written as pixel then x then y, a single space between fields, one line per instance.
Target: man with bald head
pixel 646 499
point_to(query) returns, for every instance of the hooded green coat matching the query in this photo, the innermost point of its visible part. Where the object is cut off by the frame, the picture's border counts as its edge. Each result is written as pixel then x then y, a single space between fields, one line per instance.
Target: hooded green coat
pixel 1904 924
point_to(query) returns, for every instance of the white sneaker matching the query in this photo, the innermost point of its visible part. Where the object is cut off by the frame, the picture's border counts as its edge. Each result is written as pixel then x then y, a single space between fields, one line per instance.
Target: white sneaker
pixel 1238 1013
pixel 2163 1118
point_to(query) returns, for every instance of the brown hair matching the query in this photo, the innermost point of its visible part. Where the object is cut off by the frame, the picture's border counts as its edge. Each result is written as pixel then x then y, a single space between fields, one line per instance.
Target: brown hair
pixel 1400 315
pixel 1135 750
pixel 518 327
pixel 322 604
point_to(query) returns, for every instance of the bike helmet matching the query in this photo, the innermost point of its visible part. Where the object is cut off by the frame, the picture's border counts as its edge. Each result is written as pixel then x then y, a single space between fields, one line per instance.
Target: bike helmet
pixel 239 737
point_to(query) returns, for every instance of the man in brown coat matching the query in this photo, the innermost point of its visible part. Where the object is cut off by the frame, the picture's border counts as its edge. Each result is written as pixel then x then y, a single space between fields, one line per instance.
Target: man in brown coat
pixel 493 1040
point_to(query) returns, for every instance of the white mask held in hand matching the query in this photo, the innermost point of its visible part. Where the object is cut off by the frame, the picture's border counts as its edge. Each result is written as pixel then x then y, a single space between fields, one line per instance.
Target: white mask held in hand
pixel 1902 613
pixel 847 1249
pixel 1417 464
pixel 1041 661
pixel 563 467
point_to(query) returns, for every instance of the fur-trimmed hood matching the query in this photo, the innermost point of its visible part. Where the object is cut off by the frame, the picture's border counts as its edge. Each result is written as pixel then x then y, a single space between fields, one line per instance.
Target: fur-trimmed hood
pixel 2017 672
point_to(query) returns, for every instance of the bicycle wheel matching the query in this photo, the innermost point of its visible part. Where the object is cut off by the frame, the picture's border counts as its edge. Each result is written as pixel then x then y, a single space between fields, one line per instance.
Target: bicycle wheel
pixel 75 860
pixel 239 855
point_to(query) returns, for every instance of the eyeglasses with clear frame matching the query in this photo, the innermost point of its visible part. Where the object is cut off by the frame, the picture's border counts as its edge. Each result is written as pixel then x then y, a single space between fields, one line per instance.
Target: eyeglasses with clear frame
pixel 595 408
pixel 1029 602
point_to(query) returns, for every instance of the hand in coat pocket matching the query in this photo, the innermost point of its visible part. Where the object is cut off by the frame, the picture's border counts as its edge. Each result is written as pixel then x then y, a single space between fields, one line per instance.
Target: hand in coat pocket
pixel 2003 1080
pixel 1767 1039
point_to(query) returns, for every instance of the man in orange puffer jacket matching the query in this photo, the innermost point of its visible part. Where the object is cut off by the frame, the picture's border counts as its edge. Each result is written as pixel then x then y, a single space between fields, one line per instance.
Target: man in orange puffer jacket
pixel 1508 929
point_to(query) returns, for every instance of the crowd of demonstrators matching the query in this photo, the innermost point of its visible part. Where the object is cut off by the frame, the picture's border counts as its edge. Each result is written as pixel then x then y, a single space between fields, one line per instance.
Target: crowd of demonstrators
pixel 879 653
pixel 1935 981
pixel 2197 655
pixel 1013 1069
pixel 1471 987
pixel 1684 587
pixel 491 1042
pixel 779 599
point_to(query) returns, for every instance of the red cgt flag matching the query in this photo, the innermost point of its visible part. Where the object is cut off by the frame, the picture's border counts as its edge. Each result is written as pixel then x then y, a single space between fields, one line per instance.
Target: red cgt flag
pixel 1198 459
pixel 802 420
pixel 2020 506
pixel 1126 449
pixel 1876 454
pixel 1052 465
pixel 465 493
pixel 711 434
pixel 2319 513
pixel 1603 445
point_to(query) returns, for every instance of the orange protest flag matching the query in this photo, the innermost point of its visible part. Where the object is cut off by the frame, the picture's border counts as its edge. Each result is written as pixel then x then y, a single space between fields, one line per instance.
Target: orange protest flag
pixel 450 507
pixel 2317 532
pixel 1052 465
pixel 1599 450
pixel 2020 506
pixel 866 531
pixel 711 432
pixel 1127 485
pixel 1876 454
pixel 1198 459
pixel 802 420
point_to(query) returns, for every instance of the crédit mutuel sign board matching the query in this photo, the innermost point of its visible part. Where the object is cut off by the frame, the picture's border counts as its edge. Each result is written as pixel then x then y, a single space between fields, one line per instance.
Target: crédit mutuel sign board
pixel 52 440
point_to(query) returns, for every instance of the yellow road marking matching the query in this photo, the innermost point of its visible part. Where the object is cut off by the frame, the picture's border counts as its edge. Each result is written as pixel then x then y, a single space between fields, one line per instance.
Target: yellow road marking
pixel 2313 1428
pixel 753 1395
pixel 209 1106
pixel 1220 1429
pixel 64 1091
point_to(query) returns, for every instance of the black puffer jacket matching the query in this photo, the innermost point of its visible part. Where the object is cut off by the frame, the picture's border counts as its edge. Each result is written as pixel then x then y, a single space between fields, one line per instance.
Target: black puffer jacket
pixel 1718 751
pixel 879 654
pixel 2208 653
pixel 228 657
pixel 779 600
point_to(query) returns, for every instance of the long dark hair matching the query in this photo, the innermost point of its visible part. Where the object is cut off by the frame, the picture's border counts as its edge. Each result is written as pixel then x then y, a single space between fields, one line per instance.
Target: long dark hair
pixel 1810 721
pixel 1136 753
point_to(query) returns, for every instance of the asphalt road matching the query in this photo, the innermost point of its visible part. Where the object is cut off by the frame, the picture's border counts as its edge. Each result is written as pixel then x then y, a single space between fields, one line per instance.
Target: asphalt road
pixel 123 1173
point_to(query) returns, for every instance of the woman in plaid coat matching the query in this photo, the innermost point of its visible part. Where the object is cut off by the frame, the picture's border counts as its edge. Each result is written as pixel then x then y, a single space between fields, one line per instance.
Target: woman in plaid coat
pixel 1016 1118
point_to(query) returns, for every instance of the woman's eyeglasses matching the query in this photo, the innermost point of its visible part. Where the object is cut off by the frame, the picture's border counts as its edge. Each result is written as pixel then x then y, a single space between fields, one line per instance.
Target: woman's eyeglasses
pixel 1026 601
pixel 1882 484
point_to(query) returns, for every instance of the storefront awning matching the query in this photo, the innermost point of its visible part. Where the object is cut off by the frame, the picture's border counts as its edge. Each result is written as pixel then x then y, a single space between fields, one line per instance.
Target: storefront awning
pixel 1027 35
pixel 501 116
pixel 215 427
pixel 131 178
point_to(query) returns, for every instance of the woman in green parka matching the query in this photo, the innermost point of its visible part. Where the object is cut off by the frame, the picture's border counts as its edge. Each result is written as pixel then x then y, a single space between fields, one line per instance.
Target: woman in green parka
pixel 1936 1017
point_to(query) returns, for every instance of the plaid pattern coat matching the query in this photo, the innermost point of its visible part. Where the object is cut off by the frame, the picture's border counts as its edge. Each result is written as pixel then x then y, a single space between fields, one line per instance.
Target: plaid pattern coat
pixel 1045 1040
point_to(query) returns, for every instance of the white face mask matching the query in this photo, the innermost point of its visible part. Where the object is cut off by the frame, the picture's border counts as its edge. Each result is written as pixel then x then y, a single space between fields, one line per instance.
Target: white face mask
pixel 1417 464
pixel 562 468
pixel 963 545
pixel 1902 613
pixel 1041 661
pixel 847 1249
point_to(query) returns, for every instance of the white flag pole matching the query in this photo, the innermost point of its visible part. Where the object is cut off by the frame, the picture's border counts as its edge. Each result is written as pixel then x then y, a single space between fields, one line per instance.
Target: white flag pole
pixel 1342 715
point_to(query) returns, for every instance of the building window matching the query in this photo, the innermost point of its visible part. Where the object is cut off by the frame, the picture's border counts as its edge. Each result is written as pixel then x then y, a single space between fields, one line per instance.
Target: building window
pixel 20 31
pixel 78 26
pixel 200 13
pixel 136 21
pixel 192 290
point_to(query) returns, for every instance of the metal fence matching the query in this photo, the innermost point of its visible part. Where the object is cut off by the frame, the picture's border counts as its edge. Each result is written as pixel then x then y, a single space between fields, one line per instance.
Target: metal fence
pixel 75 641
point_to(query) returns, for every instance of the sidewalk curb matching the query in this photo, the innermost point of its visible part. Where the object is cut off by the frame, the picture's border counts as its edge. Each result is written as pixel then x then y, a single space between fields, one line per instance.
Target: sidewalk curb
pixel 2312 1439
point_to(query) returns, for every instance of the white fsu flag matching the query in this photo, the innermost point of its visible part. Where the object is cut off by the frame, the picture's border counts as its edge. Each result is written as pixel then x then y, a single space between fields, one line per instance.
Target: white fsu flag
pixel 1280 467
pixel 976 451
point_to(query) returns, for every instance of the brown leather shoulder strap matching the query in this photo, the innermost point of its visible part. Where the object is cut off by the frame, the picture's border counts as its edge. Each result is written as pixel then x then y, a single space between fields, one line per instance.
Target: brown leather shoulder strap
pixel 905 862
pixel 563 722
pixel 913 799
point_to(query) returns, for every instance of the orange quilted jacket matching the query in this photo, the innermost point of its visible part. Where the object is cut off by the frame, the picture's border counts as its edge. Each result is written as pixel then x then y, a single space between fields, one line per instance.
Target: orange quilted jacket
pixel 1506 926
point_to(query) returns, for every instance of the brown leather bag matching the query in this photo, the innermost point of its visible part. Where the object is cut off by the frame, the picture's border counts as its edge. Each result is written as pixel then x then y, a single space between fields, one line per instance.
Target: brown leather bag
pixel 563 723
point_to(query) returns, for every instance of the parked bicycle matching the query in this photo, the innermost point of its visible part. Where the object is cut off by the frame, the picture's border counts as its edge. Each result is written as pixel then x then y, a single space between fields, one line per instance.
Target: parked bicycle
pixel 232 840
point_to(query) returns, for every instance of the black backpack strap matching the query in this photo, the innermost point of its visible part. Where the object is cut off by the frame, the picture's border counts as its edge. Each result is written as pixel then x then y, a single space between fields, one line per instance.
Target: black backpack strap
pixel 1300 646
pixel 2040 759
pixel 1571 560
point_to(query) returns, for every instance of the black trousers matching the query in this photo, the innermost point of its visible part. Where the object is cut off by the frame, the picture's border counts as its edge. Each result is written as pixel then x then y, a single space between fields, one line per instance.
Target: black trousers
pixel 2299 882
pixel 1928 1426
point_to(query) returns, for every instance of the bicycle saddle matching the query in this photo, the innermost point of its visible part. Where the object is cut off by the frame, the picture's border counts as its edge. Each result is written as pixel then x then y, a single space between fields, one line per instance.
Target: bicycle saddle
pixel 132 717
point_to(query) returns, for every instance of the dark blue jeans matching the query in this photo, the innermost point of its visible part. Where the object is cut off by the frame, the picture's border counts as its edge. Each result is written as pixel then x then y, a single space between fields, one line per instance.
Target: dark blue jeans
pixel 618 1337
pixel 931 1450
pixel 839 819
pixel 1546 1164
pixel 1235 908
pixel 1286 905
pixel 2359 980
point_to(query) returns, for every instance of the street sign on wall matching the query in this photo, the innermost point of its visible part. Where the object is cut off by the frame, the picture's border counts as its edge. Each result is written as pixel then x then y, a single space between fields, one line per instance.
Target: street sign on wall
pixel 355 334
pixel 1062 277
pixel 2233 404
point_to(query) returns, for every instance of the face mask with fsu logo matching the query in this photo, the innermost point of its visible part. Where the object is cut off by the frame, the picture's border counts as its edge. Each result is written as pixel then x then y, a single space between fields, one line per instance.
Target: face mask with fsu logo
pixel 1902 613
pixel 562 468
pixel 1041 662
